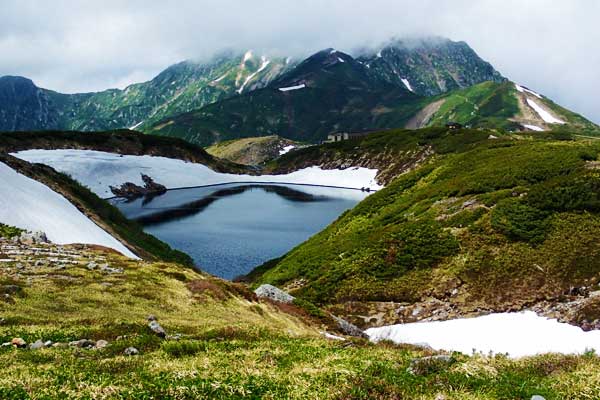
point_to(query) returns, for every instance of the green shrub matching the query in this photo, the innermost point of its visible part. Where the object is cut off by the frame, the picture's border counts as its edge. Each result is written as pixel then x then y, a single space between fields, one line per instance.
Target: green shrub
pixel 184 348
pixel 520 221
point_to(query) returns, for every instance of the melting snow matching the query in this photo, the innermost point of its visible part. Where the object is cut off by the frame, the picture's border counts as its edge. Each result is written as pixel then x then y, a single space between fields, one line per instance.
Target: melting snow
pixel 518 334
pixel 379 53
pixel 286 149
pixel 31 205
pixel 99 170
pixel 340 60
pixel 220 78
pixel 407 84
pixel 533 127
pixel 287 89
pixel 247 56
pixel 524 89
pixel 264 64
pixel 136 125
pixel 545 115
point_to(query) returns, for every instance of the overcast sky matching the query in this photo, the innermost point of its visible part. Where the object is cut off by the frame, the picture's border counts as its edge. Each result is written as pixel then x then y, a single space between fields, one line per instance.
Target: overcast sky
pixel 552 46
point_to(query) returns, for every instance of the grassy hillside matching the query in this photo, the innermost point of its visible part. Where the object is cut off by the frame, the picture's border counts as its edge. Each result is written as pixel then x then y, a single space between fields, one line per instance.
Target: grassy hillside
pixel 221 343
pixel 250 151
pixel 483 224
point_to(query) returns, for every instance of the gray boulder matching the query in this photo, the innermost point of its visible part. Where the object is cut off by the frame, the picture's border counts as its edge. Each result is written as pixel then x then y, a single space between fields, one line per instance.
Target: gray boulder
pixel 271 292
pixel 33 237
pixel 38 344
pixel 156 328
pixel 83 343
pixel 349 329
pixel 131 351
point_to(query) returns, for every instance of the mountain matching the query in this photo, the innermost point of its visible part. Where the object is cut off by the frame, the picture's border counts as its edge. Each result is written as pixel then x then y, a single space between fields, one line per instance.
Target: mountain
pixel 405 83
pixel 470 222
pixel 181 87
pixel 429 66
pixel 24 106
pixel 328 91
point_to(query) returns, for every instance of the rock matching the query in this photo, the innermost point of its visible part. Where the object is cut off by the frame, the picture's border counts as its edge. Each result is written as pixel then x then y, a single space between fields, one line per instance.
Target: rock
pixel 110 270
pixel 18 342
pixel 83 343
pixel 38 344
pixel 150 318
pixel 427 365
pixel 48 343
pixel 130 190
pixel 273 293
pixel 11 289
pixel 91 266
pixel 537 397
pixel 349 329
pixel 33 237
pixel 156 328
pixel 100 344
pixel 131 351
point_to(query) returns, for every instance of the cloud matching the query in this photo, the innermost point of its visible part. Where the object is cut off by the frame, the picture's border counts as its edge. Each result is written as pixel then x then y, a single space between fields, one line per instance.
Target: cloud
pixel 74 46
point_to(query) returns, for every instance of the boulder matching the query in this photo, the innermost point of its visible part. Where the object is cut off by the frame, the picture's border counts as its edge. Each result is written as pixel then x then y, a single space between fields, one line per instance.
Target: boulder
pixel 156 328
pixel 427 365
pixel 537 397
pixel 100 344
pixel 18 342
pixel 271 292
pixel 33 238
pixel 83 343
pixel 131 351
pixel 38 344
pixel 349 329
pixel 130 190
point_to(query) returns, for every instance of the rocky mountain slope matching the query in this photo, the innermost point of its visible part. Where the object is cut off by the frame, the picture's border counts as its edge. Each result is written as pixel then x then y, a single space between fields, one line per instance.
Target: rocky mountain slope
pixel 433 65
pixel 331 93
pixel 478 222
pixel 179 88
pixel 430 66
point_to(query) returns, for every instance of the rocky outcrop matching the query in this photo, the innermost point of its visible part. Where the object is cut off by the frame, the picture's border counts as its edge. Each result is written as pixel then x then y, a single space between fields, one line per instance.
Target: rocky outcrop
pixel 273 293
pixel 130 190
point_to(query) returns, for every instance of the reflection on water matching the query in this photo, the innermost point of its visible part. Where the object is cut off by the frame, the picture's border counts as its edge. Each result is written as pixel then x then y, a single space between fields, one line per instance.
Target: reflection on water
pixel 230 229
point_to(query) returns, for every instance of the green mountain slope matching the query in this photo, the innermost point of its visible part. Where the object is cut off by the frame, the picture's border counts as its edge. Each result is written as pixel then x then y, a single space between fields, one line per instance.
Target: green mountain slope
pixel 481 225
pixel 179 88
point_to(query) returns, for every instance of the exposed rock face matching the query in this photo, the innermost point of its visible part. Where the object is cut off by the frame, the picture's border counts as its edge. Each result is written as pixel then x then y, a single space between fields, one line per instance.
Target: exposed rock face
pixel 350 329
pixel 33 238
pixel 131 190
pixel 273 293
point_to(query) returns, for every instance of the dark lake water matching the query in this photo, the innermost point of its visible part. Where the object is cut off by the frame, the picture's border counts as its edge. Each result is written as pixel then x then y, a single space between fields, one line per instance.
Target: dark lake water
pixel 230 229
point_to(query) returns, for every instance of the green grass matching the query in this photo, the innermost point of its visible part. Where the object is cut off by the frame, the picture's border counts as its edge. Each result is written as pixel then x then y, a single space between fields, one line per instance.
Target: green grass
pixel 231 347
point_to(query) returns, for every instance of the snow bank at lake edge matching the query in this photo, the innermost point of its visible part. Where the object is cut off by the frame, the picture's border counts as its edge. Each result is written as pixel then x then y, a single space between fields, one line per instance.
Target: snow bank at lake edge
pixel 99 170
pixel 29 204
pixel 518 334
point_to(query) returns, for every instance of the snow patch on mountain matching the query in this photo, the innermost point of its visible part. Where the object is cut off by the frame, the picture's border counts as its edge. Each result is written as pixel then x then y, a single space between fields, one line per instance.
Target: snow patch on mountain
pixel 264 65
pixel 524 89
pixel 31 205
pixel 407 84
pixel 98 170
pixel 136 125
pixel 545 115
pixel 296 87
pixel 518 334
pixel 286 149
pixel 533 128
pixel 340 59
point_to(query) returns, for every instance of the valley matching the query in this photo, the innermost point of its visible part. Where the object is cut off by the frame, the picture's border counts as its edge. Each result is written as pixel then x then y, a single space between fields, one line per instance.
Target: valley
pixel 398 220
